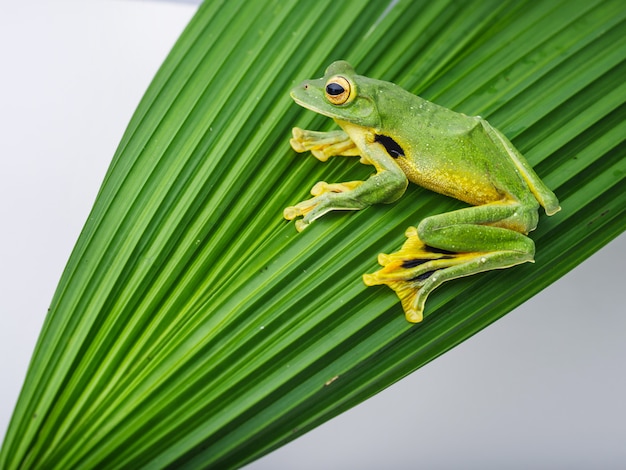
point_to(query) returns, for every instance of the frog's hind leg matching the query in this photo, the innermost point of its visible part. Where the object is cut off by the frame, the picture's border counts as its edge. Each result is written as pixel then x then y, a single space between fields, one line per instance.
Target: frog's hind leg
pixel 454 245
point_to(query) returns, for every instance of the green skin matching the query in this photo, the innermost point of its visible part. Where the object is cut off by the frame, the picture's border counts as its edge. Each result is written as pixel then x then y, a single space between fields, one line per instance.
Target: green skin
pixel 407 138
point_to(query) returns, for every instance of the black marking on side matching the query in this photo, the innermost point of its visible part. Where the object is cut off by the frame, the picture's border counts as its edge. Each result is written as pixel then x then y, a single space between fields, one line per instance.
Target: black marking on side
pixel 391 146
pixel 411 263
pixel 432 249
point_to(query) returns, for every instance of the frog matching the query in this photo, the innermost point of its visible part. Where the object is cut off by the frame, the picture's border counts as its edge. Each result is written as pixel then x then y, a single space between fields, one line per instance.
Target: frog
pixel 406 138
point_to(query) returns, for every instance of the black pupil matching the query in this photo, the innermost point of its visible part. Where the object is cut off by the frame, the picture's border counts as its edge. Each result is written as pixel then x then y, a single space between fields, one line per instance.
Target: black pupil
pixel 334 89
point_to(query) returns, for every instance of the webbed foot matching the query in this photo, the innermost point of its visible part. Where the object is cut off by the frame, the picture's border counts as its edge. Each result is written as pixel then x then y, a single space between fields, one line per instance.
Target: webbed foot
pixel 416 269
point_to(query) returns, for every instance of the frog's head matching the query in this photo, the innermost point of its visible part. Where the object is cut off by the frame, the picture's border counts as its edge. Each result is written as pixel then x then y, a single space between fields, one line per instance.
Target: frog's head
pixel 341 94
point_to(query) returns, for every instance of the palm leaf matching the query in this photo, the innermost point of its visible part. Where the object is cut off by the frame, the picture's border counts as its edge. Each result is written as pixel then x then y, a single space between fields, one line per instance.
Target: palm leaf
pixel 194 327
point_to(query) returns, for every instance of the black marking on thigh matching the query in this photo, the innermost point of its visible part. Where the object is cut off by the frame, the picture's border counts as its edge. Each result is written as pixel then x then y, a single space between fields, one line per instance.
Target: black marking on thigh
pixel 423 276
pixel 432 249
pixel 391 146
pixel 411 263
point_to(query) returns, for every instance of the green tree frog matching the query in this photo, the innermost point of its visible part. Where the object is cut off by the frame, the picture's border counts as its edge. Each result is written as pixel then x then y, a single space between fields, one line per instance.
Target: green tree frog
pixel 406 138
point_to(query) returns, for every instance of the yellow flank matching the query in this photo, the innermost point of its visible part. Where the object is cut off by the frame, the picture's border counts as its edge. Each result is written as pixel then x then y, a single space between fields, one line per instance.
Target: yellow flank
pixel 452 183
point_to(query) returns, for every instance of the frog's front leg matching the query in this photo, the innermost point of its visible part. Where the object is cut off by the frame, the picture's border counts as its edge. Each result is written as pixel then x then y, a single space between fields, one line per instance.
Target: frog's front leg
pixel 323 145
pixel 386 185
pixel 454 245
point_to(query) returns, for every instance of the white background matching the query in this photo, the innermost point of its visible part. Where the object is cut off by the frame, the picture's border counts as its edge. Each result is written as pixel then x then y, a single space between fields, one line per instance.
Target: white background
pixel 72 74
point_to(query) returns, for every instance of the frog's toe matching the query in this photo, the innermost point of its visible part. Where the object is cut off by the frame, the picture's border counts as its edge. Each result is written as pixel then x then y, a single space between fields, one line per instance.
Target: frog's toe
pixel 407 291
pixel 297 141
pixel 300 209
pixel 370 280
pixel 301 225
pixel 320 188
pixel 321 154
pixel 384 259
pixel 309 210
pixel 297 145
pixel 409 295
pixel 410 232
pixel 414 315
pixel 290 212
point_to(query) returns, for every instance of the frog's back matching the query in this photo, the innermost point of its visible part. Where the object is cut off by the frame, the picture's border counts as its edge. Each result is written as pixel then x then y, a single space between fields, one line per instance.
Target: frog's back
pixel 450 153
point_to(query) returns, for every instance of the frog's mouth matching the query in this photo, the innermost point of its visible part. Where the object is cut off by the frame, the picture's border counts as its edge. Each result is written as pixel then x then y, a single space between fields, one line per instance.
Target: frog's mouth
pixel 312 107
pixel 297 100
pixel 305 95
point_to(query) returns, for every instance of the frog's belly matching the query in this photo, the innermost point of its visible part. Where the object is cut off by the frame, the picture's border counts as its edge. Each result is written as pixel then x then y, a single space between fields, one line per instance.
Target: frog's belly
pixel 465 187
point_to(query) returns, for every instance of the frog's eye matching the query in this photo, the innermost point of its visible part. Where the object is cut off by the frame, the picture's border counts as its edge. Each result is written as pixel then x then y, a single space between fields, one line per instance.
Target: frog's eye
pixel 338 90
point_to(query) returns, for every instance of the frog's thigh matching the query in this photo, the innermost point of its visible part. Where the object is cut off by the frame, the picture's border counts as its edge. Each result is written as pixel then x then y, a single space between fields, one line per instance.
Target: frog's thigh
pixel 537 187
pixel 475 248
pixel 463 231
pixel 453 245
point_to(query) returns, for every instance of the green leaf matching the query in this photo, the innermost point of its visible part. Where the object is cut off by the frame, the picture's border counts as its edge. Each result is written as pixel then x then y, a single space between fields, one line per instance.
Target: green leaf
pixel 194 327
